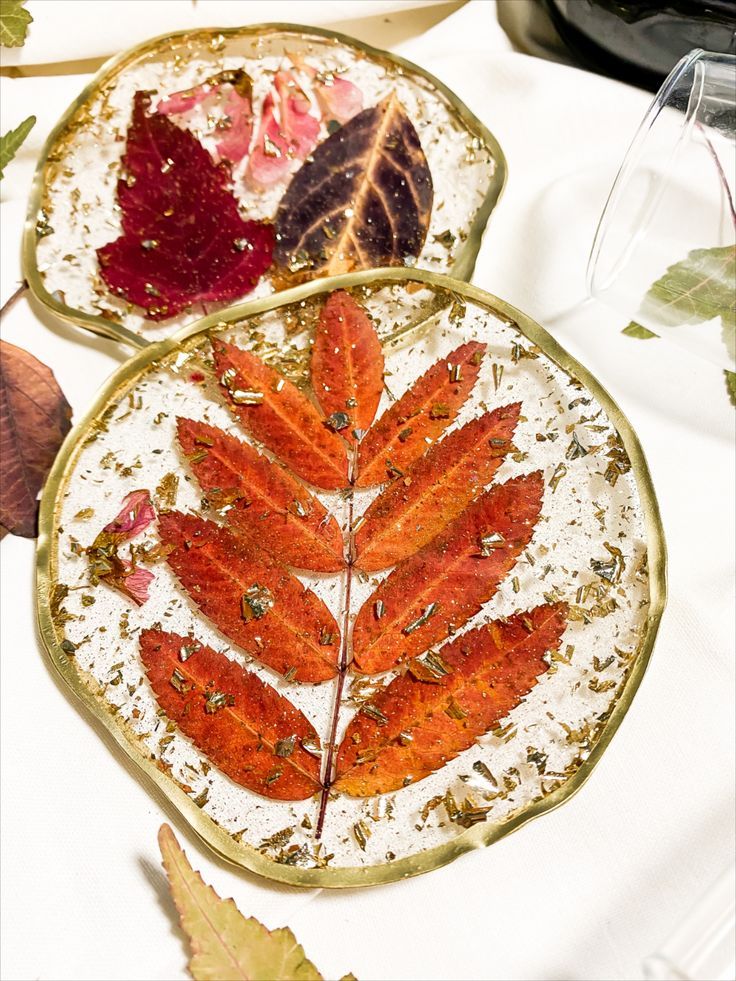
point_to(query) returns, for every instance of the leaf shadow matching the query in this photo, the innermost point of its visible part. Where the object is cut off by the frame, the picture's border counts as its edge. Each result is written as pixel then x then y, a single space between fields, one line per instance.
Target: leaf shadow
pixel 159 883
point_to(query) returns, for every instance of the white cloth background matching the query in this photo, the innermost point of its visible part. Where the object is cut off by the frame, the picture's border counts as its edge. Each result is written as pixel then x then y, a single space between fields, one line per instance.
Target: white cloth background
pixel 587 891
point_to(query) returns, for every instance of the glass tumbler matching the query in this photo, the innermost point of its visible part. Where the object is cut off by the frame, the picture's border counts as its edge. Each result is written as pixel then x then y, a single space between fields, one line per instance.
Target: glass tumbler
pixel 664 253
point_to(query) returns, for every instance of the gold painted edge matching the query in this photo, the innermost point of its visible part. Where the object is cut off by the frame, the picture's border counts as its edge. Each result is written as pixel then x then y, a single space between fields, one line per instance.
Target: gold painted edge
pixel 464 263
pixel 478 836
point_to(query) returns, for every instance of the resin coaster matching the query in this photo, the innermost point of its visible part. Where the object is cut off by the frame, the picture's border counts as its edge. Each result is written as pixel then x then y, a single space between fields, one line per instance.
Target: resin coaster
pixel 208 167
pixel 362 576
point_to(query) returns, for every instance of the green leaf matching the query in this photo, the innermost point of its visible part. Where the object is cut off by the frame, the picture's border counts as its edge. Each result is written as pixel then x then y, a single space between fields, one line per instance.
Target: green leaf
pixel 731 385
pixel 636 330
pixel 226 946
pixel 699 288
pixel 10 142
pixel 14 21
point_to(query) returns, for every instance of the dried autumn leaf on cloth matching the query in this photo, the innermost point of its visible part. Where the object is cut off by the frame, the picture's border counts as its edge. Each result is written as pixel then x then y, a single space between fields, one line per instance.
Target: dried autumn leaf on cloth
pixel 34 418
pixel 250 731
pixel 262 500
pixel 437 590
pixel 226 946
pixel 363 199
pixel 413 509
pixel 254 600
pixel 183 239
pixel 424 718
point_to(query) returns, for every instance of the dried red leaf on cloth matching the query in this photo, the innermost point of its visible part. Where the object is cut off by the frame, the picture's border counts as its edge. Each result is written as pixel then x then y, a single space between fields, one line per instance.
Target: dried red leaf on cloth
pixel 105 562
pixel 263 500
pixel 347 364
pixel 253 599
pixel 248 730
pixel 183 239
pixel 422 413
pixel 287 131
pixel 277 414
pixel 363 199
pixel 229 96
pixel 34 419
pixel 437 590
pixel 415 508
pixel 426 717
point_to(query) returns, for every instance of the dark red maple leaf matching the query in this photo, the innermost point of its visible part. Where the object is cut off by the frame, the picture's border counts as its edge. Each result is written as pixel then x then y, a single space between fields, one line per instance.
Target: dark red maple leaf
pixel 183 238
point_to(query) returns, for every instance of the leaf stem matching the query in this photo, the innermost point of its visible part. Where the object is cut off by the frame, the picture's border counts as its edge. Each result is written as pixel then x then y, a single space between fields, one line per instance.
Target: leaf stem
pixel 344 657
pixel 16 296
pixel 721 175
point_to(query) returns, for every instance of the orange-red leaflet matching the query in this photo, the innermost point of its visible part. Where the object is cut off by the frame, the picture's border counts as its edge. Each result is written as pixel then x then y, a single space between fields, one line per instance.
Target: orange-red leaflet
pixel 253 599
pixel 411 424
pixel 415 508
pixel 436 591
pixel 424 718
pixel 346 365
pixel 245 727
pixel 277 414
pixel 266 501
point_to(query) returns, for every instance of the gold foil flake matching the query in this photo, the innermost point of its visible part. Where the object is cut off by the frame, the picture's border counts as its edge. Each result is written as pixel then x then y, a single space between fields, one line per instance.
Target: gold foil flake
pixel 362 833
pixel 421 619
pixel 560 472
pixel 576 449
pixel 167 491
pixel 255 602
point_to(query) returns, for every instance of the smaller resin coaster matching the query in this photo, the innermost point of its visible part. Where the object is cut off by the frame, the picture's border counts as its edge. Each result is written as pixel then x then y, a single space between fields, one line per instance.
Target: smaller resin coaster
pixel 207 167
pixel 362 576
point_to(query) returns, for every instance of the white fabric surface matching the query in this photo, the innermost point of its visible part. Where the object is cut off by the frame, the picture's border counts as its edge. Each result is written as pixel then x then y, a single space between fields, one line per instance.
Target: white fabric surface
pixel 587 891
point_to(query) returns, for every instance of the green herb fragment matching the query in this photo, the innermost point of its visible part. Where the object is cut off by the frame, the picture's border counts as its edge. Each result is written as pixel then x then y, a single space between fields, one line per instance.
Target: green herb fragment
pixel 187 650
pixel 404 434
pixel 497 375
pixel 455 711
pixel 560 471
pixel 201 799
pixel 285 747
pixel 68 647
pixel 480 767
pixel 538 758
pixel 178 681
pixel 279 839
pixel 439 410
pixel 337 421
pixel 273 776
pixel 326 637
pixel 290 674
pixel 84 514
pixel 405 737
pixel 576 449
pixel 639 332
pixel 420 620
pixel 362 834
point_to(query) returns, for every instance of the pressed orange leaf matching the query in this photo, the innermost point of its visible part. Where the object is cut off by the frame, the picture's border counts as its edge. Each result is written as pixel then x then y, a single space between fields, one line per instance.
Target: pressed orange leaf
pixel 415 508
pixel 246 728
pixel 424 718
pixel 253 599
pixel 422 413
pixel 347 364
pixel 277 414
pixel 436 591
pixel 265 500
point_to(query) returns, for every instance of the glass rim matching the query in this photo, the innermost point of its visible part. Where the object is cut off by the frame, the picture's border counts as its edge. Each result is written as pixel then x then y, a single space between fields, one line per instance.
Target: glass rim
pixel 628 163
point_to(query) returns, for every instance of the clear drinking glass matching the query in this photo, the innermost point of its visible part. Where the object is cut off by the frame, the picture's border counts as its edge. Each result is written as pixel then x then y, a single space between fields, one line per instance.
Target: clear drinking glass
pixel 664 253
